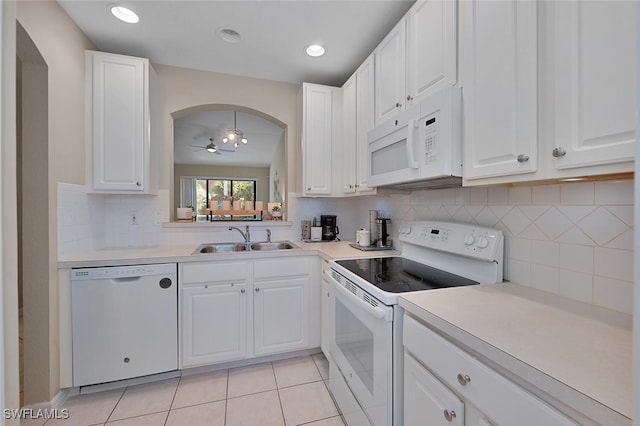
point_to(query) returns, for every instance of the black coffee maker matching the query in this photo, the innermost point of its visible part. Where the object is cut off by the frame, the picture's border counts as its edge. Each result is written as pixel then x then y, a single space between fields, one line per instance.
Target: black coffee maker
pixel 330 228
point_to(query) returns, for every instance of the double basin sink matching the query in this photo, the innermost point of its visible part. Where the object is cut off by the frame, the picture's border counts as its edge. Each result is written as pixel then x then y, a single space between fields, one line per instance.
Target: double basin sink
pixel 232 247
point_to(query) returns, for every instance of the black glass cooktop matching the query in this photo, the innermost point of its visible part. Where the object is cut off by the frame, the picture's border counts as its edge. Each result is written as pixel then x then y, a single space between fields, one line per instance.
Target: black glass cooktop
pixel 399 275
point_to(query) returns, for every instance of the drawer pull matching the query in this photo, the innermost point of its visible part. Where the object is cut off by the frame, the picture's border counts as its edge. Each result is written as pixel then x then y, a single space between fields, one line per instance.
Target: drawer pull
pixel 449 415
pixel 463 380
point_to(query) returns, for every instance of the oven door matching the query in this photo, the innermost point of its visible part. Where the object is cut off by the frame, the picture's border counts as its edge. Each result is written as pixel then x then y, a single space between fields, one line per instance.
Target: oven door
pixel 360 344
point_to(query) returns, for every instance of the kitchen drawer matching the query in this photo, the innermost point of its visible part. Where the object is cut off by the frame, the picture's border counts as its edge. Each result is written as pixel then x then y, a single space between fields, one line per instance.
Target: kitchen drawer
pixel 206 272
pixel 277 268
pixel 500 399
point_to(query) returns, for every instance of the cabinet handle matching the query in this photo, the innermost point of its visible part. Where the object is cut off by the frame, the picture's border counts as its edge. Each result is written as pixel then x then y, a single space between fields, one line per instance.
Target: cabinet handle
pixel 257 288
pixel 558 152
pixel 138 184
pixel 398 104
pixel 242 291
pixel 409 97
pixel 308 189
pixel 357 186
pixel 523 158
pixel 463 380
pixel 449 415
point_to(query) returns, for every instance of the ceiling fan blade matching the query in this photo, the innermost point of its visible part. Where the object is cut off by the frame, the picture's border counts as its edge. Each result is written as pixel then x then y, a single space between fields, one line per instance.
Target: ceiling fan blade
pixel 199 146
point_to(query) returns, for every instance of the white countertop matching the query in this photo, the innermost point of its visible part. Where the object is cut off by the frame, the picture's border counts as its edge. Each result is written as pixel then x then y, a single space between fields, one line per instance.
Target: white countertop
pixel 182 253
pixel 578 353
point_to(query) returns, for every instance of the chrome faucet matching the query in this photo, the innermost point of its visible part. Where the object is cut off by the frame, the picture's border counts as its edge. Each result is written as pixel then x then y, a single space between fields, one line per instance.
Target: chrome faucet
pixel 268 235
pixel 246 235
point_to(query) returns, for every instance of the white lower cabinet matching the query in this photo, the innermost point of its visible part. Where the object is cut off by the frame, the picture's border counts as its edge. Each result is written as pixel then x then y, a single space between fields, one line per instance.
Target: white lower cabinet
pixel 281 315
pixel 427 399
pixel 237 310
pixel 214 323
pixel 439 374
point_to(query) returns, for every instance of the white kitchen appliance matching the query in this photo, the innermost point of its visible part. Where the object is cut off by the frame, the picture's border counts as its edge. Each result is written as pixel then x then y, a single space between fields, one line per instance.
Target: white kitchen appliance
pixel 422 147
pixel 125 322
pixel 365 322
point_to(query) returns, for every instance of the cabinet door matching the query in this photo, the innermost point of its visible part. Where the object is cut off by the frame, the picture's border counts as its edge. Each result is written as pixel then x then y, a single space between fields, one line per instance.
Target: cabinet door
pixel 316 140
pixel 117 92
pixel 214 324
pixel 390 73
pixel 281 315
pixel 499 83
pixel 348 143
pixel 594 70
pixel 365 115
pixel 427 400
pixel 431 48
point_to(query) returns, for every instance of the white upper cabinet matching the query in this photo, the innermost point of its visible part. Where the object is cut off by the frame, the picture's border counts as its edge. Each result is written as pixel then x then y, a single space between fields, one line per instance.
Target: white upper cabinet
pixel 499 80
pixel 118 123
pixel 431 48
pixel 390 73
pixel 592 62
pixel 365 113
pixel 317 128
pixel 574 63
pixel 357 120
pixel 349 131
pixel 417 58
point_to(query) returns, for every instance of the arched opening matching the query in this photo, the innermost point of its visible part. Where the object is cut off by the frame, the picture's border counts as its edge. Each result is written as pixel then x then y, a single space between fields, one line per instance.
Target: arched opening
pixel 260 162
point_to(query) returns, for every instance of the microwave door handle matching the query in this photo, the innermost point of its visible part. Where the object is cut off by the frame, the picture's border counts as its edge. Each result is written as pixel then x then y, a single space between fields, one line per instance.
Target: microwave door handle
pixel 411 134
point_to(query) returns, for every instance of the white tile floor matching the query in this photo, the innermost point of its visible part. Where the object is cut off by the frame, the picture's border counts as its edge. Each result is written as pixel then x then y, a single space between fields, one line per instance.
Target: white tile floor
pixel 288 392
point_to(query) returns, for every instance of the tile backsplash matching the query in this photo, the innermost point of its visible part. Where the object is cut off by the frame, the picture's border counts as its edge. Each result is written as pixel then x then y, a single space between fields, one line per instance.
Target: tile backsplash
pixel 573 239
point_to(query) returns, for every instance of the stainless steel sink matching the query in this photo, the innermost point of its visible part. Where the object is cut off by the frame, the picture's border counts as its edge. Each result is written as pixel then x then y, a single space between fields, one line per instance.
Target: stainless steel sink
pixel 232 247
pixel 277 245
pixel 219 248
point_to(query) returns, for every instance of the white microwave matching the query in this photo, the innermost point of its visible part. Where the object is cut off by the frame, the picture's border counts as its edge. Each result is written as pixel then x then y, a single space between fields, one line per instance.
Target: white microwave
pixel 421 147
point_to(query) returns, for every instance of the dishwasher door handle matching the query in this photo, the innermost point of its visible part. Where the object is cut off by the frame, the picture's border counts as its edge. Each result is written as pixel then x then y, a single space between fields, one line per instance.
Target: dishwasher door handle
pixel 124 280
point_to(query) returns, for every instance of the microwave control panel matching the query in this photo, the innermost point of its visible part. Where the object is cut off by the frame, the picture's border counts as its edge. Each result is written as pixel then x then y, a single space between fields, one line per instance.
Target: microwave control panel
pixel 430 140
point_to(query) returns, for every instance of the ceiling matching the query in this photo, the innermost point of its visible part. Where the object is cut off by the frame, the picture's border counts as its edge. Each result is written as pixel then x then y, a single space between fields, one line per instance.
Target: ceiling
pixel 274 34
pixel 192 133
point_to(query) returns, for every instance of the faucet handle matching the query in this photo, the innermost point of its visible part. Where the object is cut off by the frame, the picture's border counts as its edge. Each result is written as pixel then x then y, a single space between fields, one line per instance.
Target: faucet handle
pixel 268 235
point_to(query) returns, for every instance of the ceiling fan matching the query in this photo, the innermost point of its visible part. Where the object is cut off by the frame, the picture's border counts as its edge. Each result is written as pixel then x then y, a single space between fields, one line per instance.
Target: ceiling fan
pixel 212 148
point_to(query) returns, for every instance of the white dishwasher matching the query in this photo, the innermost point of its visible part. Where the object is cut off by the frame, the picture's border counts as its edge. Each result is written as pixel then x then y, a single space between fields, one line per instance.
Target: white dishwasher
pixel 125 322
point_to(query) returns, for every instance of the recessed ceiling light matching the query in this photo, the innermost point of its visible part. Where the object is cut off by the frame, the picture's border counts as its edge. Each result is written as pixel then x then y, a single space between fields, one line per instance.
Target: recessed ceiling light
pixel 314 50
pixel 124 14
pixel 229 35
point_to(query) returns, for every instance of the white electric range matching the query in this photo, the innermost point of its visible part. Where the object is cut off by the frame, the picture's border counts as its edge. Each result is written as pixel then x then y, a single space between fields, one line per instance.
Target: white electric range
pixel 365 322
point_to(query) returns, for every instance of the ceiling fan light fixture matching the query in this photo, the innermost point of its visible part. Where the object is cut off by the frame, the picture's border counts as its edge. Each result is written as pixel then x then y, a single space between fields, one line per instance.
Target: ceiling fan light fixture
pixel 124 14
pixel 236 135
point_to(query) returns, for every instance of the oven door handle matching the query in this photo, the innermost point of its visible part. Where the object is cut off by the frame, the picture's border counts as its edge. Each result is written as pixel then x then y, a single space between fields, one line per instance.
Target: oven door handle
pixel 378 312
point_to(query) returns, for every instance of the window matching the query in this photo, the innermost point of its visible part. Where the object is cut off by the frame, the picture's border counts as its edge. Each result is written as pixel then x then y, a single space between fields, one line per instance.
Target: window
pixel 200 191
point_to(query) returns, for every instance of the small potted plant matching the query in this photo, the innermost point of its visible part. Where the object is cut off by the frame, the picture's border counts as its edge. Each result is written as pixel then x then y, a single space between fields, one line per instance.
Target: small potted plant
pixel 193 212
pixel 276 213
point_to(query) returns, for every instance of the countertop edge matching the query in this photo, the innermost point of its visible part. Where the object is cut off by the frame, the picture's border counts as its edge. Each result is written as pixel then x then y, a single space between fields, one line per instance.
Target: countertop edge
pixel 533 380
pixel 182 254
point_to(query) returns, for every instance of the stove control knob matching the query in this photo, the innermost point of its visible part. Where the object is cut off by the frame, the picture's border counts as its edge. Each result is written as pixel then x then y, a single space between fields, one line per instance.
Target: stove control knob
pixel 469 239
pixel 405 230
pixel 483 242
